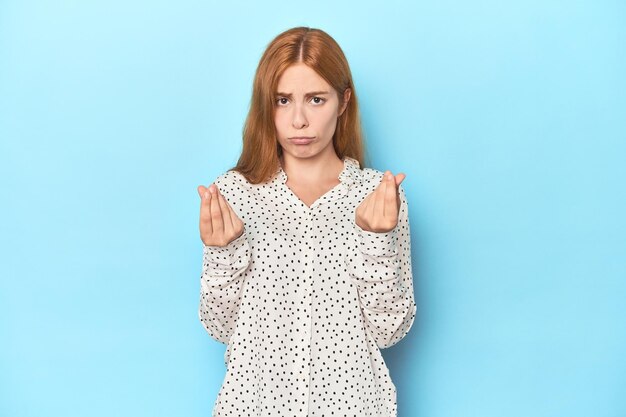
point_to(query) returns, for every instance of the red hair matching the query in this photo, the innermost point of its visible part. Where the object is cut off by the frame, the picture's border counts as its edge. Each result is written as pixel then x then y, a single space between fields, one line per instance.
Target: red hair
pixel 259 160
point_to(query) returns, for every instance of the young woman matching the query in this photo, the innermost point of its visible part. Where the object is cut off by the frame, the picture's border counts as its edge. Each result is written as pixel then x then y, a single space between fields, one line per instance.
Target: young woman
pixel 307 254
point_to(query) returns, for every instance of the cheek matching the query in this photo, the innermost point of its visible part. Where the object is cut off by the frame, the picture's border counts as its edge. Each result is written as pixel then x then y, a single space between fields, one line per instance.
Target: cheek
pixel 329 121
pixel 279 122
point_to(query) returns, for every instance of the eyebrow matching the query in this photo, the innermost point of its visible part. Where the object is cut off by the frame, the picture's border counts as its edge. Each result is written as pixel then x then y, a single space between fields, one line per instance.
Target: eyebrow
pixel 312 93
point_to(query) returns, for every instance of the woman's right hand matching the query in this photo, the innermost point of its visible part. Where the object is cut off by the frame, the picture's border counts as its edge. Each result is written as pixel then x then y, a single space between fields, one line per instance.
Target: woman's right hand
pixel 219 225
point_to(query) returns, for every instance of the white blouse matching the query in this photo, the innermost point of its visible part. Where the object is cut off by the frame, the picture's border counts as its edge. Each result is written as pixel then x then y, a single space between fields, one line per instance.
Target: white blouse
pixel 305 299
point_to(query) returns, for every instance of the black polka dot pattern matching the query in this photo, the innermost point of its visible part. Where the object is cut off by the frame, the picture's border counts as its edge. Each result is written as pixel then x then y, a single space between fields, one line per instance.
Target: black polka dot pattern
pixel 305 299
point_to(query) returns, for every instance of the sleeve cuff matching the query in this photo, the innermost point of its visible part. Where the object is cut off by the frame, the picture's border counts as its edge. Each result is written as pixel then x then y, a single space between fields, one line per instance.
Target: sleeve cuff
pixel 227 255
pixel 377 244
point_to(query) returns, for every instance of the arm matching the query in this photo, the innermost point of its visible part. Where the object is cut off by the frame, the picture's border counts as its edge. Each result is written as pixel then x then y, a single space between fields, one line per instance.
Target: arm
pixel 380 266
pixel 221 283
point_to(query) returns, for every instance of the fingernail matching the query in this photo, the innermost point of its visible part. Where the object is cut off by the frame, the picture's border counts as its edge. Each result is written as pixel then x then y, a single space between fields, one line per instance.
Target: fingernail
pixel 206 195
pixel 389 176
pixel 211 189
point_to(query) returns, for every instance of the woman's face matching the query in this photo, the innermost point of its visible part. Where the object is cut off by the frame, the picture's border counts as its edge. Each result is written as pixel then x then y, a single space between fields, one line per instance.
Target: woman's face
pixel 306 106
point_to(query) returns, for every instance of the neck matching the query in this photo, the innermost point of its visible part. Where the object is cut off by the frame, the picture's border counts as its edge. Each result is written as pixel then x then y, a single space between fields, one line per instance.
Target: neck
pixel 315 170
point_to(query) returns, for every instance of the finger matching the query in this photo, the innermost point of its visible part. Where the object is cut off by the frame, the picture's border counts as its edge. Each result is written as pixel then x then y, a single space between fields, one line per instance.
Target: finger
pixel 216 212
pixel 391 204
pixel 399 178
pixel 378 199
pixel 233 216
pixel 201 192
pixel 228 224
pixel 381 192
pixel 205 210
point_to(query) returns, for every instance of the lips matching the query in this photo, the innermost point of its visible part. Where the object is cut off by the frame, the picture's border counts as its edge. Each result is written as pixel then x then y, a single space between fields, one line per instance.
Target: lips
pixel 302 140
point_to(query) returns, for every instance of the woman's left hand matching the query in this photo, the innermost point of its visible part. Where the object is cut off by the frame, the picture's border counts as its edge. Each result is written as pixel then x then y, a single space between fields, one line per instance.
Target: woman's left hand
pixel 378 212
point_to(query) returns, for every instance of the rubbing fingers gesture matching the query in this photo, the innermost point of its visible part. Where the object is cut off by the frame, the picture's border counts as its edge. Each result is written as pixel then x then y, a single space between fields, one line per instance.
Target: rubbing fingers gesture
pixel 378 212
pixel 219 225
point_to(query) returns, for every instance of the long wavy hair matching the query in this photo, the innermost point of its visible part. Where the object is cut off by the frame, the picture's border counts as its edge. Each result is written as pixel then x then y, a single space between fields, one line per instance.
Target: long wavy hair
pixel 259 160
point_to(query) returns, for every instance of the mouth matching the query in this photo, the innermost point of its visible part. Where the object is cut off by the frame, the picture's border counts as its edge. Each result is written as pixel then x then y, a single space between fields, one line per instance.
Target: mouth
pixel 302 140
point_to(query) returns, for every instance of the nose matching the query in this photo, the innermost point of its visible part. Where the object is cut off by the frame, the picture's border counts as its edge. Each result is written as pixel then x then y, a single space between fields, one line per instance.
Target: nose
pixel 299 118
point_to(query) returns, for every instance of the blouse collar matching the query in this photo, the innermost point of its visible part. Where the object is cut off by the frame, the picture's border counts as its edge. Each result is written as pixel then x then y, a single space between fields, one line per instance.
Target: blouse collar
pixel 350 173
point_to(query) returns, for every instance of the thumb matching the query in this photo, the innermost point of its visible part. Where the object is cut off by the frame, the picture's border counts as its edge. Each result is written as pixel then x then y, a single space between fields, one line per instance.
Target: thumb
pixel 201 190
pixel 399 178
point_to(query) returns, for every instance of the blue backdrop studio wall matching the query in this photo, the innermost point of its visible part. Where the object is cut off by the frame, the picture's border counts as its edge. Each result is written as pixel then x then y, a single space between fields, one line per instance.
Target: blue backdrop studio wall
pixel 507 118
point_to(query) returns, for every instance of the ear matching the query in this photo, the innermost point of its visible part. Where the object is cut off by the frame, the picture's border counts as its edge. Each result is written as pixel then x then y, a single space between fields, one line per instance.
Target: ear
pixel 346 98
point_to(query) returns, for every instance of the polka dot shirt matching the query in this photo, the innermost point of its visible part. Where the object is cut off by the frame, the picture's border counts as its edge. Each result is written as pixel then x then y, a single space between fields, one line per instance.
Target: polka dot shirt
pixel 305 299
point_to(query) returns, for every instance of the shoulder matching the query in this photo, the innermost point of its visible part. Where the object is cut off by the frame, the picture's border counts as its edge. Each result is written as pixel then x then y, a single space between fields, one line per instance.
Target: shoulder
pixel 231 181
pixel 371 175
pixel 371 178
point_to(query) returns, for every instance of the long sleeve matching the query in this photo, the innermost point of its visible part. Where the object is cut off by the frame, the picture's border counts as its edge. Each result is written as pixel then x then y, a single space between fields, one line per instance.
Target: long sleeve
pixel 380 266
pixel 221 283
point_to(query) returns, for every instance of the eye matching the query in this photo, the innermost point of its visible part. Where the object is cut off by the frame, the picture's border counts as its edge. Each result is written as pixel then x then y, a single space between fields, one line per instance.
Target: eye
pixel 278 101
pixel 322 100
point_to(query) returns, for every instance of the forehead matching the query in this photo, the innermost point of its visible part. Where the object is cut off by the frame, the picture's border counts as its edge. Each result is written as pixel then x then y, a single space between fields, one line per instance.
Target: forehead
pixel 301 78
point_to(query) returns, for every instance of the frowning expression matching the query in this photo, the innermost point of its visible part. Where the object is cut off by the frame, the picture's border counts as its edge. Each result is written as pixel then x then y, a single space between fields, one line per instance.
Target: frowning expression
pixel 306 112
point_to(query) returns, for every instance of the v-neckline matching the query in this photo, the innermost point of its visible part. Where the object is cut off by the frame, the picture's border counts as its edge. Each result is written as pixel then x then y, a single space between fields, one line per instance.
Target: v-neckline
pixel 322 197
pixel 317 200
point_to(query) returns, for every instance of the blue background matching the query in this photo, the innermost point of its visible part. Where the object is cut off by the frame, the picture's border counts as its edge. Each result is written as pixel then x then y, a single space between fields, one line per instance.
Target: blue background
pixel 508 119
